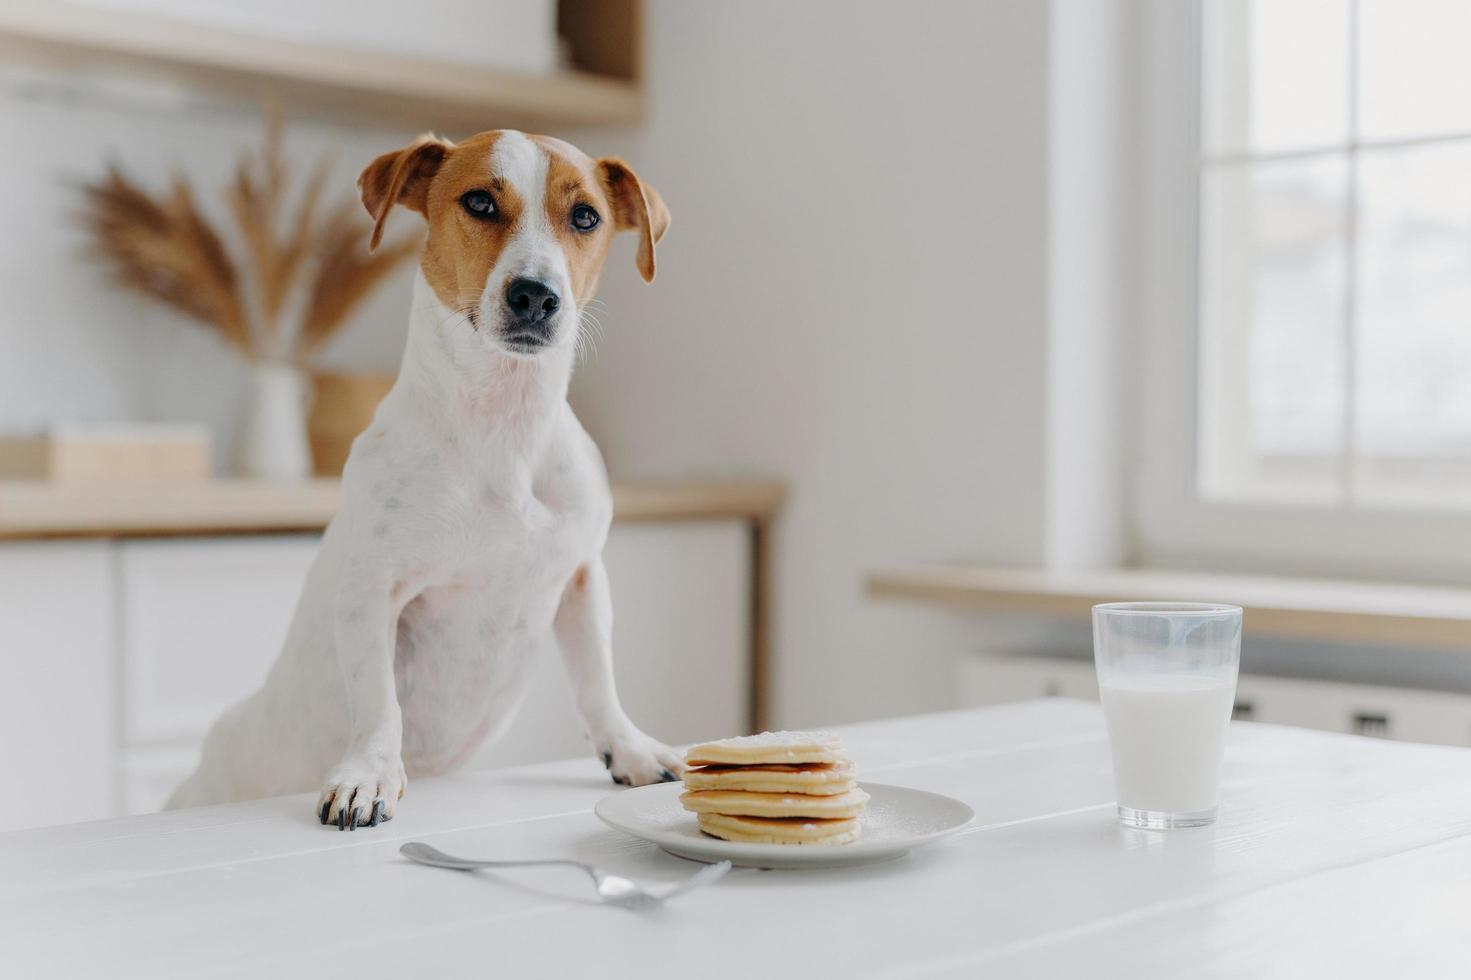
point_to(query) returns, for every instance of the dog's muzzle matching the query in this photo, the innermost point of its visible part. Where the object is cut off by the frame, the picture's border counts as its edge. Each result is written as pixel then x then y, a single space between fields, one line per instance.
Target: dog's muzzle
pixel 531 314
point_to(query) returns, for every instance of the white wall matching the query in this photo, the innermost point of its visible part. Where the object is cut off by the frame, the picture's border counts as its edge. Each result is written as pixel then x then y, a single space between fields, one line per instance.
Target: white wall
pixel 75 348
pixel 852 297
pixel 1091 165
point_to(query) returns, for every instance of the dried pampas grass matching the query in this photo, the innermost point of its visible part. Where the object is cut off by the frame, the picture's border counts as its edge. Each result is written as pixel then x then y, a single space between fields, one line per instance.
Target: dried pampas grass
pixel 346 274
pixel 301 276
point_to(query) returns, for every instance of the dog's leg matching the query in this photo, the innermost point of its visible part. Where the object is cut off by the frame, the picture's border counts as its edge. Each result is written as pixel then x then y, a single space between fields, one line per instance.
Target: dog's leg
pixel 584 626
pixel 364 788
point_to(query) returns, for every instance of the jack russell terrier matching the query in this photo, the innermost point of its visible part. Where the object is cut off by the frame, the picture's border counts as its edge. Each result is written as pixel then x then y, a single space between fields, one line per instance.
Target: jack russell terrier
pixel 475 508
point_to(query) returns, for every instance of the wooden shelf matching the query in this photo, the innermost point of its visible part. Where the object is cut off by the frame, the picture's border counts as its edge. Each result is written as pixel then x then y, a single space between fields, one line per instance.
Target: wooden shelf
pixel 1388 614
pixel 417 92
pixel 44 510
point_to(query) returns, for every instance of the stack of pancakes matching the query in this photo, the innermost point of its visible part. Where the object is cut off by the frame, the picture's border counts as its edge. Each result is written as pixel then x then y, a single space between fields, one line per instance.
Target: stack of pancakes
pixel 774 788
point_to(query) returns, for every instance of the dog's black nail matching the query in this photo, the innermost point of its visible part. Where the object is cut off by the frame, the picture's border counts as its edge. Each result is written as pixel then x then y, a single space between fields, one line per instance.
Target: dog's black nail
pixel 665 776
pixel 377 813
pixel 607 760
pixel 326 807
pixel 342 818
pixel 352 821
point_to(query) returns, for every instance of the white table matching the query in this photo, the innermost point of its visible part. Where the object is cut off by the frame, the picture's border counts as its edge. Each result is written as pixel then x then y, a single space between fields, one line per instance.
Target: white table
pixel 1334 856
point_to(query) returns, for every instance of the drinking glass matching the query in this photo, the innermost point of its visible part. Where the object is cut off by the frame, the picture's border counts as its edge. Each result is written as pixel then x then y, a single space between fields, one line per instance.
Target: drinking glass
pixel 1167 678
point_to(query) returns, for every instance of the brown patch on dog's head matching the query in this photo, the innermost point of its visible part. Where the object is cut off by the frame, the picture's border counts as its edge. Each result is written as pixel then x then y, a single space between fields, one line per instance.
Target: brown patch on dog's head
pixel 573 181
pixel 541 193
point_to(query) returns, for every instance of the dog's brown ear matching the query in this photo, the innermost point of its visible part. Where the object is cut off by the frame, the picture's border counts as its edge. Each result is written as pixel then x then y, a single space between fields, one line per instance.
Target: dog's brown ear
pixel 637 207
pixel 401 177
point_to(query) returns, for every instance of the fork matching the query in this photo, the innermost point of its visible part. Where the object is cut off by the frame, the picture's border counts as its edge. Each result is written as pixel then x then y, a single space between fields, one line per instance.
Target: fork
pixel 612 889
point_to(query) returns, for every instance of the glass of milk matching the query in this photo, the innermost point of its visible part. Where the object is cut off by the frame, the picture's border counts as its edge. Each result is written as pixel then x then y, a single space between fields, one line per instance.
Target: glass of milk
pixel 1167 678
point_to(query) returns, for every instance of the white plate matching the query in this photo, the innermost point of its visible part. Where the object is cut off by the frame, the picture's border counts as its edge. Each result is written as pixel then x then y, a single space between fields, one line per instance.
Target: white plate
pixel 896 820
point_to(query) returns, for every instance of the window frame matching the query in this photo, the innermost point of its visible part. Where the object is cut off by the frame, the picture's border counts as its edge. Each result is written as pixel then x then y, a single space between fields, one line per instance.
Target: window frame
pixel 1171 524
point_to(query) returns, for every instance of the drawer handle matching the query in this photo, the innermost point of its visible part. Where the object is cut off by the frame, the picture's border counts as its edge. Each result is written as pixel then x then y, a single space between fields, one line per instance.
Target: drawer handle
pixel 1370 723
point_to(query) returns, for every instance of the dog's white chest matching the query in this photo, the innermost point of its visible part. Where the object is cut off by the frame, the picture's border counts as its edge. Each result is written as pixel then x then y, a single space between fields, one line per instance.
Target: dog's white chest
pixel 466 642
pixel 522 545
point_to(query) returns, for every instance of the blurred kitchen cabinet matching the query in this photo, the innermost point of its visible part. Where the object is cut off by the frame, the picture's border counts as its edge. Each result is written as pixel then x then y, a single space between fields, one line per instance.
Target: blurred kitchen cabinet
pixel 58 699
pixel 1359 709
pixel 118 655
pixel 203 620
pixel 1396 713
pixel 997 680
pixel 681 636
pixel 682 626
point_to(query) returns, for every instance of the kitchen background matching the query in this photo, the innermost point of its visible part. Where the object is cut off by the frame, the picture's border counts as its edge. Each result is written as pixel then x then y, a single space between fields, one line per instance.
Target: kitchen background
pixel 1065 296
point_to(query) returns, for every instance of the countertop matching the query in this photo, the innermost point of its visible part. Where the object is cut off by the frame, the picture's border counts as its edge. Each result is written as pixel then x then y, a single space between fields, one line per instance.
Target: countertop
pixel 1337 610
pixel 48 510
pixel 1333 856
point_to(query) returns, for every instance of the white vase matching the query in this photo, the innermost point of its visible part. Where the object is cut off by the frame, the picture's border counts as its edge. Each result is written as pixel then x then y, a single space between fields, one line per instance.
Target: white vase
pixel 275 446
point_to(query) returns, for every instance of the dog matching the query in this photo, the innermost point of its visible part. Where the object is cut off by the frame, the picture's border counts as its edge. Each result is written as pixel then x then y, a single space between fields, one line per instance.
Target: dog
pixel 475 507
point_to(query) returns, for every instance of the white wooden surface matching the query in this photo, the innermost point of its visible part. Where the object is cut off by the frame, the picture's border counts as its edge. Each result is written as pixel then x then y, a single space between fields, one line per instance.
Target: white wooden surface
pixel 1334 856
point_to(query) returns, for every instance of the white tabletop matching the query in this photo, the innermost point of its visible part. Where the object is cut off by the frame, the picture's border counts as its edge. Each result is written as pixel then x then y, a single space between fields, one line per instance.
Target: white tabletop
pixel 1333 856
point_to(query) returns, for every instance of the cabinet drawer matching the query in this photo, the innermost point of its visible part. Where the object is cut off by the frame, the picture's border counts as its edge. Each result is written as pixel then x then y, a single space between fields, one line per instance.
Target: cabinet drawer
pixel 1334 706
pixel 1360 709
pixel 202 621
pixel 58 720
pixel 151 774
pixel 681 636
pixel 997 680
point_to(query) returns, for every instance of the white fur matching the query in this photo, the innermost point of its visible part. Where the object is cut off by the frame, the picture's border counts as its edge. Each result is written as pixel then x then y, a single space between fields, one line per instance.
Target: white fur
pixel 475 509
pixel 533 250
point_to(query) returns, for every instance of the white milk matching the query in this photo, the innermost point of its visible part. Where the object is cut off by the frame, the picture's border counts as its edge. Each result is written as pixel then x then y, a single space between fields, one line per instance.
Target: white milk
pixel 1167 732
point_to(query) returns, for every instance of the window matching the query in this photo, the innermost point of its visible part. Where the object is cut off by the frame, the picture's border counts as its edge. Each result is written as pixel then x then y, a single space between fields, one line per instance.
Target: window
pixel 1335 252
pixel 1304 287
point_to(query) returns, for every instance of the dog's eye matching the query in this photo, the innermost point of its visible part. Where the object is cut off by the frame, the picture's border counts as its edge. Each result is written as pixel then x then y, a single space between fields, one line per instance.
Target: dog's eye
pixel 584 218
pixel 479 204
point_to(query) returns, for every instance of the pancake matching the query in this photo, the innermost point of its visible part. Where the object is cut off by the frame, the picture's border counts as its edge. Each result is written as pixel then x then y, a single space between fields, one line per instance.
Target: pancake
pixel 789 830
pixel 738 804
pixel 815 778
pixel 769 747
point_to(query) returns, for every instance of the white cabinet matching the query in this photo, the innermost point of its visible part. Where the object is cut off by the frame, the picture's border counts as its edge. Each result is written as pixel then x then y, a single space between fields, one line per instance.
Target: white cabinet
pixel 118 656
pixel 203 619
pixel 681 627
pixel 997 680
pixel 681 632
pixel 58 693
pixel 1361 709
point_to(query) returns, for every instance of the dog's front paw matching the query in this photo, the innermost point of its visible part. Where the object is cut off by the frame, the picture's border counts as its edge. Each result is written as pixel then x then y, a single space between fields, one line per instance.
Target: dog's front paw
pixel 634 759
pixel 361 791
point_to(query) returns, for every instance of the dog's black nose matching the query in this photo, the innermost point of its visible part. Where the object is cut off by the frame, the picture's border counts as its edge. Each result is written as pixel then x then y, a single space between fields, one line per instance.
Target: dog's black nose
pixel 531 301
